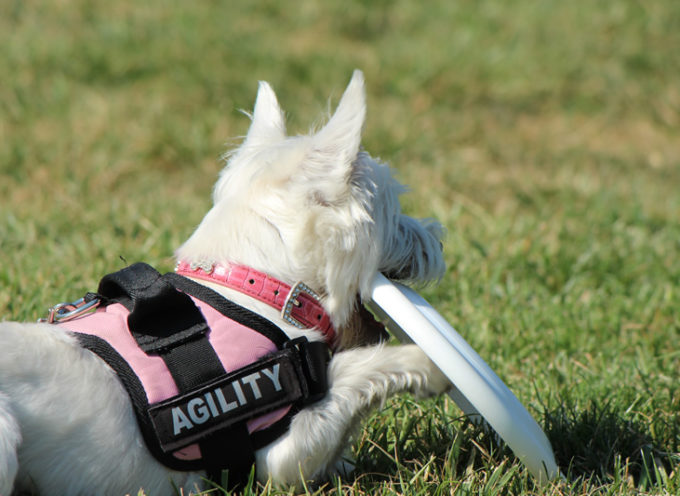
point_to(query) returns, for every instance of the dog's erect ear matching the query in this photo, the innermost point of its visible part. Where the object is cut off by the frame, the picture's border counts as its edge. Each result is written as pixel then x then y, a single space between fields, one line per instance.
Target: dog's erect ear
pixel 268 125
pixel 341 137
pixel 337 144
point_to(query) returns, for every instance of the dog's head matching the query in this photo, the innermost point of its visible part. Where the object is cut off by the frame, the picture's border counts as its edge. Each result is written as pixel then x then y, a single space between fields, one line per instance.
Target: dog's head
pixel 316 208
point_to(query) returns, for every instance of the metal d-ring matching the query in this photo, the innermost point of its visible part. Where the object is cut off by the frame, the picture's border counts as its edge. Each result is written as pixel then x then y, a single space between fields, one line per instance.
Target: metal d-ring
pixel 65 311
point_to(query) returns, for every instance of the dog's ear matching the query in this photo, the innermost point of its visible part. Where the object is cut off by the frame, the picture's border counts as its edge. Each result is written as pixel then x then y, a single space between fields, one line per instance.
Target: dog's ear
pixel 341 136
pixel 336 145
pixel 268 124
pixel 267 127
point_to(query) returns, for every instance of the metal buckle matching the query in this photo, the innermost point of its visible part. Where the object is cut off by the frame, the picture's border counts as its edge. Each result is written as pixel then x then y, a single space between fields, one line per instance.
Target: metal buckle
pixel 206 267
pixel 62 312
pixel 292 301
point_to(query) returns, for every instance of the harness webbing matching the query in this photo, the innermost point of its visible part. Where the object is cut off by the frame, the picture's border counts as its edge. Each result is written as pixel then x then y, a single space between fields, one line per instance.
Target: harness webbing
pixel 165 321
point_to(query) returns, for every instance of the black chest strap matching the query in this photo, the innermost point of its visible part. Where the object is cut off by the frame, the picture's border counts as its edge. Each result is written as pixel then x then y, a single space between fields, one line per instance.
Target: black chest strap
pixel 213 404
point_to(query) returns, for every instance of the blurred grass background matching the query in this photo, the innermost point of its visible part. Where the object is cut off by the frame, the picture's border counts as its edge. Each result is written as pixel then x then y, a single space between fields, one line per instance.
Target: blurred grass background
pixel 545 135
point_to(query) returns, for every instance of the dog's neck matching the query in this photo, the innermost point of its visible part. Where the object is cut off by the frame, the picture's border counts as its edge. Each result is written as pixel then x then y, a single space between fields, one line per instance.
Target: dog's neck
pixel 298 304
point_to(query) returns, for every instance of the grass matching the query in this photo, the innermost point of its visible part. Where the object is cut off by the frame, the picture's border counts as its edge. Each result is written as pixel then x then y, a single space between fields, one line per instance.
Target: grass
pixel 544 135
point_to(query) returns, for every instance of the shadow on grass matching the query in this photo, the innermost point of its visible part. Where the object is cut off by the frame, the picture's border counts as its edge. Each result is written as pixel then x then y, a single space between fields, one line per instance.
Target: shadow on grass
pixel 598 443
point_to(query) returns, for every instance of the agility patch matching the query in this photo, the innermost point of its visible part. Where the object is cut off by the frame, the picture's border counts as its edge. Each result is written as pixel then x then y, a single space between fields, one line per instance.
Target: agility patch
pixel 235 397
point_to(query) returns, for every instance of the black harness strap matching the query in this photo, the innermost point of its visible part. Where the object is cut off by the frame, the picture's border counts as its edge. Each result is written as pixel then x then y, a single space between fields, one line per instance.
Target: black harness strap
pixel 167 323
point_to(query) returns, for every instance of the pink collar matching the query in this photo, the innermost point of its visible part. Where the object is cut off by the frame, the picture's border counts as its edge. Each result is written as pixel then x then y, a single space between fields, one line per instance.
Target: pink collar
pixel 299 304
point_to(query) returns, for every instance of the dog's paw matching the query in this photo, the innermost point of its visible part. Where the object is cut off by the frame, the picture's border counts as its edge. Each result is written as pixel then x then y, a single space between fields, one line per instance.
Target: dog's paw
pixel 438 383
pixel 435 382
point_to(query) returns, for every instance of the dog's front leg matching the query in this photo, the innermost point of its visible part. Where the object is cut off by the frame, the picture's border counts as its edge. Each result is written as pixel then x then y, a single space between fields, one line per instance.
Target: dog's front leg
pixel 359 380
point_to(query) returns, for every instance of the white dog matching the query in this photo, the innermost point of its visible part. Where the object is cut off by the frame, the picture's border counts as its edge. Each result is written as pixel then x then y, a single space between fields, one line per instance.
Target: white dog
pixel 311 208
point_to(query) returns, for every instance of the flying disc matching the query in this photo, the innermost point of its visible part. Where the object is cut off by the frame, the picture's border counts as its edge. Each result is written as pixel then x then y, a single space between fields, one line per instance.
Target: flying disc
pixel 477 390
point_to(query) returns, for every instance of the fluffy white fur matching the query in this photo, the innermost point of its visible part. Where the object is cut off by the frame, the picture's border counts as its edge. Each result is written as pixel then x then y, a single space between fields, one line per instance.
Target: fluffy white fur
pixel 310 208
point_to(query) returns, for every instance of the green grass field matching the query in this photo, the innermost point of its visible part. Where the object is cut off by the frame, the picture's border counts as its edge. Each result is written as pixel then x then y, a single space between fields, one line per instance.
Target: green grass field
pixel 545 135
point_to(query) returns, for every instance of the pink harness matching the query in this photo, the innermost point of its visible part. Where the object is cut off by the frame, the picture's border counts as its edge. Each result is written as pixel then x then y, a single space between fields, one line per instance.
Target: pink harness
pixel 236 346
pixel 257 380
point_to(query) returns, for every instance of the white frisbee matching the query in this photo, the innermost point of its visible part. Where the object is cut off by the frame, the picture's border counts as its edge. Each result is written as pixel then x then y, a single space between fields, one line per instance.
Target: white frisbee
pixel 477 390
